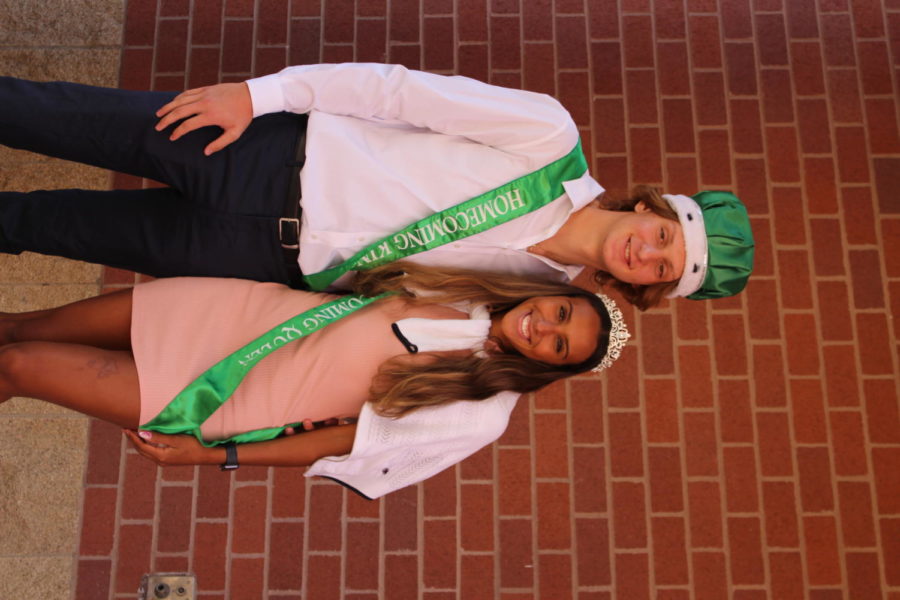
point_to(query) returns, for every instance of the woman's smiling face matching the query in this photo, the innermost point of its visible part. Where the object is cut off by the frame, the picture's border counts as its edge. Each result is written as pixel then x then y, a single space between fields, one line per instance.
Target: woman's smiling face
pixel 558 330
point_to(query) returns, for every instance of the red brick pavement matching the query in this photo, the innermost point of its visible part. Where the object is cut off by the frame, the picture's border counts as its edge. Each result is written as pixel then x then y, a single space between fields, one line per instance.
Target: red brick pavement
pixel 746 448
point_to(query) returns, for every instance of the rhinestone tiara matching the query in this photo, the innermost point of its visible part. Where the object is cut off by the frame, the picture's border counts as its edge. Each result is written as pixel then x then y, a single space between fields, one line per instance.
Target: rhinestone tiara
pixel 618 334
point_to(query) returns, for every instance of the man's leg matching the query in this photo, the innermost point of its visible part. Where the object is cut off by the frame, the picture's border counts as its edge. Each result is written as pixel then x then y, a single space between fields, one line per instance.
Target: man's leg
pixel 97 126
pixel 152 231
pixel 114 129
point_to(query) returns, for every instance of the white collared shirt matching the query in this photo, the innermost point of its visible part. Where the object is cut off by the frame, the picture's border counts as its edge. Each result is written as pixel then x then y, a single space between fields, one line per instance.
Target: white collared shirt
pixel 389 454
pixel 387 146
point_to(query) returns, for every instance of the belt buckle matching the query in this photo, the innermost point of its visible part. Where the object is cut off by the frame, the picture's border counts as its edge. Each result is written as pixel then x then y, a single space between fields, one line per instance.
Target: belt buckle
pixel 295 230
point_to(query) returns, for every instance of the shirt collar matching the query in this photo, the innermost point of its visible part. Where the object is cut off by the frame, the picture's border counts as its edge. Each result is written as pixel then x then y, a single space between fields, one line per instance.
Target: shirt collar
pixel 434 335
pixel 580 192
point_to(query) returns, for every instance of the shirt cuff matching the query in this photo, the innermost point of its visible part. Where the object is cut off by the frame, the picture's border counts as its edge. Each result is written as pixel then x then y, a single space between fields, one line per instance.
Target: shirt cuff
pixel 266 95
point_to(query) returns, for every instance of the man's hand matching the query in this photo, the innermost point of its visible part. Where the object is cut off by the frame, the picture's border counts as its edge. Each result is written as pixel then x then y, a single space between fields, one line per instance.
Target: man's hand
pixel 310 425
pixel 226 105
pixel 169 450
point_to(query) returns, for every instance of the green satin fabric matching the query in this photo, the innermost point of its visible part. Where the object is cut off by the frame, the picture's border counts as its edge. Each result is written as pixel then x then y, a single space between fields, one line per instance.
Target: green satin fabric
pixel 202 397
pixel 520 197
pixel 730 245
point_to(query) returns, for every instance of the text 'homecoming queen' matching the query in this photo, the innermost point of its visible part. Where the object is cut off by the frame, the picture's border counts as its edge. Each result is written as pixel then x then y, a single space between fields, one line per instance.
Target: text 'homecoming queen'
pixel 309 322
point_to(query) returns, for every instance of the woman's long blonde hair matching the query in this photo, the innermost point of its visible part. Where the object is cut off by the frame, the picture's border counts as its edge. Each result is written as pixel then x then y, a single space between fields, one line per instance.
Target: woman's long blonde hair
pixel 402 385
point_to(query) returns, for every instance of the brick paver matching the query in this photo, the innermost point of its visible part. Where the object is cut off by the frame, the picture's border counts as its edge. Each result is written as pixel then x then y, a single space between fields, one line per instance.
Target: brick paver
pixel 746 448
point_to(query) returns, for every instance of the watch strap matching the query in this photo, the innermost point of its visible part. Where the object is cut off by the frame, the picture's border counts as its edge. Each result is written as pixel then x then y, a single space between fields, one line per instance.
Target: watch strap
pixel 231 458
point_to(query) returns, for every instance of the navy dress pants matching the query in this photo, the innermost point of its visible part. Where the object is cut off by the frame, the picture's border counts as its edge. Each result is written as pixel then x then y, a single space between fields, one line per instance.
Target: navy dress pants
pixel 217 217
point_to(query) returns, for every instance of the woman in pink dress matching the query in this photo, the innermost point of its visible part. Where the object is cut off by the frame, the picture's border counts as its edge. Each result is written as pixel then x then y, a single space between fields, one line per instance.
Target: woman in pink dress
pixel 437 338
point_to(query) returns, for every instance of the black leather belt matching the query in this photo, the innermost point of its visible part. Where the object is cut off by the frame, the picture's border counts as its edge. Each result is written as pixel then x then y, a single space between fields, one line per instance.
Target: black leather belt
pixel 289 224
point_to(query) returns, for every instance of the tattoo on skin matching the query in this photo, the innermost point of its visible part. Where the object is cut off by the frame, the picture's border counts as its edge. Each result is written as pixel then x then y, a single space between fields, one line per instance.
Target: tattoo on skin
pixel 105 367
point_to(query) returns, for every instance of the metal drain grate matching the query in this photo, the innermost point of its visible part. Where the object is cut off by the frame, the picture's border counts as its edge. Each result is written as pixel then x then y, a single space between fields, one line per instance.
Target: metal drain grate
pixel 168 586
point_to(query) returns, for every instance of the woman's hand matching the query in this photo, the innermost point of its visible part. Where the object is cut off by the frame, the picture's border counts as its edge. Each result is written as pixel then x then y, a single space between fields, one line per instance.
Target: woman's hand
pixel 226 105
pixel 167 450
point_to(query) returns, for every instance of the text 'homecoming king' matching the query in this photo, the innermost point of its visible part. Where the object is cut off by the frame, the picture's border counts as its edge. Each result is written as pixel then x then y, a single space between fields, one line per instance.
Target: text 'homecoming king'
pixel 424 234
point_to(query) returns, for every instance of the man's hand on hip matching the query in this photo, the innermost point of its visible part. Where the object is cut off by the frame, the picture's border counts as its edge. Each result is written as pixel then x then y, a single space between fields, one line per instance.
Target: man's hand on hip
pixel 226 105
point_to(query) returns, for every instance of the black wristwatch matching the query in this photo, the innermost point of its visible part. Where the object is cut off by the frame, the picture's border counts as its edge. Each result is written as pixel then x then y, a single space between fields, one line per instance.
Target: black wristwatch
pixel 231 461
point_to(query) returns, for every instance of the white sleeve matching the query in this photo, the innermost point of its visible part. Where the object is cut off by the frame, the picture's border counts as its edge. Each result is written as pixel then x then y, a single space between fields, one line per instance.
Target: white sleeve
pixel 514 120
pixel 389 454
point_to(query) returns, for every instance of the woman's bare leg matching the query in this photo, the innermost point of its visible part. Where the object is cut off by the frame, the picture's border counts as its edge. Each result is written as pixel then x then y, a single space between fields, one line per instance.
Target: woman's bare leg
pixel 96 382
pixel 103 321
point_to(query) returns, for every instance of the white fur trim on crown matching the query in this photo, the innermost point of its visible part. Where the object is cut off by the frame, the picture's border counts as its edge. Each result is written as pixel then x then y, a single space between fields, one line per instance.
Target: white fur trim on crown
pixel 696 256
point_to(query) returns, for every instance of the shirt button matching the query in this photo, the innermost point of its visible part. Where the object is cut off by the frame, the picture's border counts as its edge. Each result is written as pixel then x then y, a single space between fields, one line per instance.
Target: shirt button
pixel 315 237
pixel 360 239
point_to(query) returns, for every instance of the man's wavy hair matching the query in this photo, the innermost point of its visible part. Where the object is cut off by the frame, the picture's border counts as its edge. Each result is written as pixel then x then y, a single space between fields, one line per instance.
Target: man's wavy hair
pixel 403 384
pixel 641 296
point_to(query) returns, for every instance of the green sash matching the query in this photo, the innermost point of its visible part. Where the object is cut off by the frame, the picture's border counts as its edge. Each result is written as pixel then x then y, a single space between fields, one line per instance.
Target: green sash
pixel 200 399
pixel 500 205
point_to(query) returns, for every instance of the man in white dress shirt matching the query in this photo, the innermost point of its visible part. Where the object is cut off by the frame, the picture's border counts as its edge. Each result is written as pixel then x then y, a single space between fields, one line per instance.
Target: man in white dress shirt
pixel 287 175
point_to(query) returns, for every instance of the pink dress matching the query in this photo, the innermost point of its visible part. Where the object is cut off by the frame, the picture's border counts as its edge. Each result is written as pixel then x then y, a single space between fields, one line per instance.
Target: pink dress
pixel 181 327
